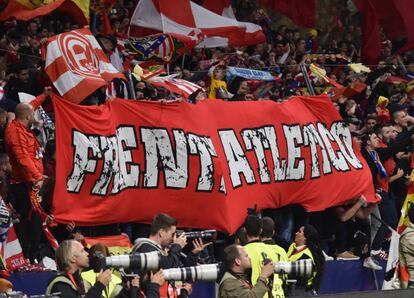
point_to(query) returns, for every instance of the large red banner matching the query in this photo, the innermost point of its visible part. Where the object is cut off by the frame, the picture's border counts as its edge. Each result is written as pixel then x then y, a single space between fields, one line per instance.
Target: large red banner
pixel 204 164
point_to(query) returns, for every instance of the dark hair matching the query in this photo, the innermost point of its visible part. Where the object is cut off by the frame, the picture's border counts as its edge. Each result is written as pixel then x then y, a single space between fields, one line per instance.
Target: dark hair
pixel 268 227
pixel 365 138
pixel 20 67
pixel 411 213
pixel 312 242
pixel 99 247
pixel 378 128
pixel 162 221
pixel 242 236
pixel 253 226
pixel 231 253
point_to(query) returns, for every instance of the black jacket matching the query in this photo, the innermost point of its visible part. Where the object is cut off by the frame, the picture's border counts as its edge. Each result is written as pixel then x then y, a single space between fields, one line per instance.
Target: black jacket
pixel 402 141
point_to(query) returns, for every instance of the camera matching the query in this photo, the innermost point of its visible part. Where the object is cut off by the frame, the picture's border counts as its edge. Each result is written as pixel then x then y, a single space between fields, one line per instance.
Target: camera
pixel 300 268
pixel 145 261
pixel 206 235
pixel 207 272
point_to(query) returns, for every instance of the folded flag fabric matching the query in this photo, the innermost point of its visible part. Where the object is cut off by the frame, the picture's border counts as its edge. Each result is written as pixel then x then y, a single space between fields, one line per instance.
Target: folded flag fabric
pixel 25 10
pixel 161 48
pixel 77 65
pixel 116 244
pixel 178 86
pixel 359 67
pixel 11 251
pixel 188 18
pixel 321 73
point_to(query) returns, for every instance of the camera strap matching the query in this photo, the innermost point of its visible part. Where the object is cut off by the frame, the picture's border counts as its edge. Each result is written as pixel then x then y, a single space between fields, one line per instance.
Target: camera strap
pixel 72 279
pixel 241 277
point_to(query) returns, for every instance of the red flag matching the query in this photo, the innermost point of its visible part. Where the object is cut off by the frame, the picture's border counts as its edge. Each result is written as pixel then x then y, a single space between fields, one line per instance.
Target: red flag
pixel 204 164
pixel 218 6
pixel 389 18
pixel 371 43
pixel 395 17
pixel 188 18
pixel 301 12
pixel 11 251
pixel 26 10
pixel 182 87
pixel 406 9
pixel 77 65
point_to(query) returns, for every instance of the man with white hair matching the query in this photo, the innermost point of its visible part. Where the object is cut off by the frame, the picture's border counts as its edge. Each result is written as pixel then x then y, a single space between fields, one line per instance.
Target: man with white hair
pixel 71 259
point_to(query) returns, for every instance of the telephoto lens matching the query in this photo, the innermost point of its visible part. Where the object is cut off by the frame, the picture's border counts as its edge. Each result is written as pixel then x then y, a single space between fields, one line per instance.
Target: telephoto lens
pixel 207 272
pixel 144 261
pixel 147 261
pixel 206 235
pixel 301 268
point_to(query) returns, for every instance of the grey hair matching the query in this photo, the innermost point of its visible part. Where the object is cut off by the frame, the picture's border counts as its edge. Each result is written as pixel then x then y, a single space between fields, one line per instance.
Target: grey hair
pixel 64 254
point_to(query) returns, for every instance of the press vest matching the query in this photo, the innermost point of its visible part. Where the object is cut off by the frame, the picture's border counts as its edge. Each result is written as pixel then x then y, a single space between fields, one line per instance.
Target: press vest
pixel 61 279
pixel 110 291
pixel 257 252
pixel 302 254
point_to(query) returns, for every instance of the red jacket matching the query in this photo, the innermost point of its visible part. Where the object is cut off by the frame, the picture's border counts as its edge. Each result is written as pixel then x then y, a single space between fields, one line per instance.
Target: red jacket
pixel 24 150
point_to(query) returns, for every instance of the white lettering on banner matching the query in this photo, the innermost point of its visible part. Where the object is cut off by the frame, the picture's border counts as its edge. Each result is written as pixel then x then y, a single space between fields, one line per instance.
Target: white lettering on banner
pixel 256 139
pixel 169 153
pixel 85 157
pixel 159 154
pixel 296 164
pixel 338 161
pixel 204 147
pixel 236 159
pixel 339 130
pixel 126 143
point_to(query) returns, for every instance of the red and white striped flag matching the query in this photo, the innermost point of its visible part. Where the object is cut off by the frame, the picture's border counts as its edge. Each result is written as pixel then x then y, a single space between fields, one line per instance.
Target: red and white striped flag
pixel 77 65
pixel 179 86
pixel 188 18
pixel 11 251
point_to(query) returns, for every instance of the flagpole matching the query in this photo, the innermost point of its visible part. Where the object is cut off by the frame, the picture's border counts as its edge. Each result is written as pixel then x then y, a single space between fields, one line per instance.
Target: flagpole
pixel 131 85
pixel 182 64
pixel 307 80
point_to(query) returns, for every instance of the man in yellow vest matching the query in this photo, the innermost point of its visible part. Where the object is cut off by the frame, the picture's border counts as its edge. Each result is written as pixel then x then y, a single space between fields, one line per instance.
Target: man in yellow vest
pixel 275 252
pixel 71 259
pixel 259 253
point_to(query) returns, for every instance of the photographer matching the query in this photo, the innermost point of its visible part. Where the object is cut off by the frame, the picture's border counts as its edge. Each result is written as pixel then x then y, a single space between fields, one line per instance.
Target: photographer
pixel 129 286
pixel 235 282
pixel 71 259
pixel 163 239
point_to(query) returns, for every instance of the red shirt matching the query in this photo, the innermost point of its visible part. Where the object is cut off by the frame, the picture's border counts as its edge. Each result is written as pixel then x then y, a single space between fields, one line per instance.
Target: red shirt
pixel 24 150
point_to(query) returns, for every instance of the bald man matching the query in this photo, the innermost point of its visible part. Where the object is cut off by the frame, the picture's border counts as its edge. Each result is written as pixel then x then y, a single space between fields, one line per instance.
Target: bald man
pixel 25 155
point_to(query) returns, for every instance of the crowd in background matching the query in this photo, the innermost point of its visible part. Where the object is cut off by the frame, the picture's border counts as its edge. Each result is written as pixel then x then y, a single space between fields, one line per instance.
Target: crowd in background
pixel 383 132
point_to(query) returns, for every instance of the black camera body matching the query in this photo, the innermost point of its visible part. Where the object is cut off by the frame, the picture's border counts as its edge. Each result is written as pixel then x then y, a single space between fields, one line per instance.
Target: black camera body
pixel 206 235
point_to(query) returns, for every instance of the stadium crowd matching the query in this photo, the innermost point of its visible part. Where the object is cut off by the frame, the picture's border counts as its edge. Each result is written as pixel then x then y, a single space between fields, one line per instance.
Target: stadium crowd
pixel 376 105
